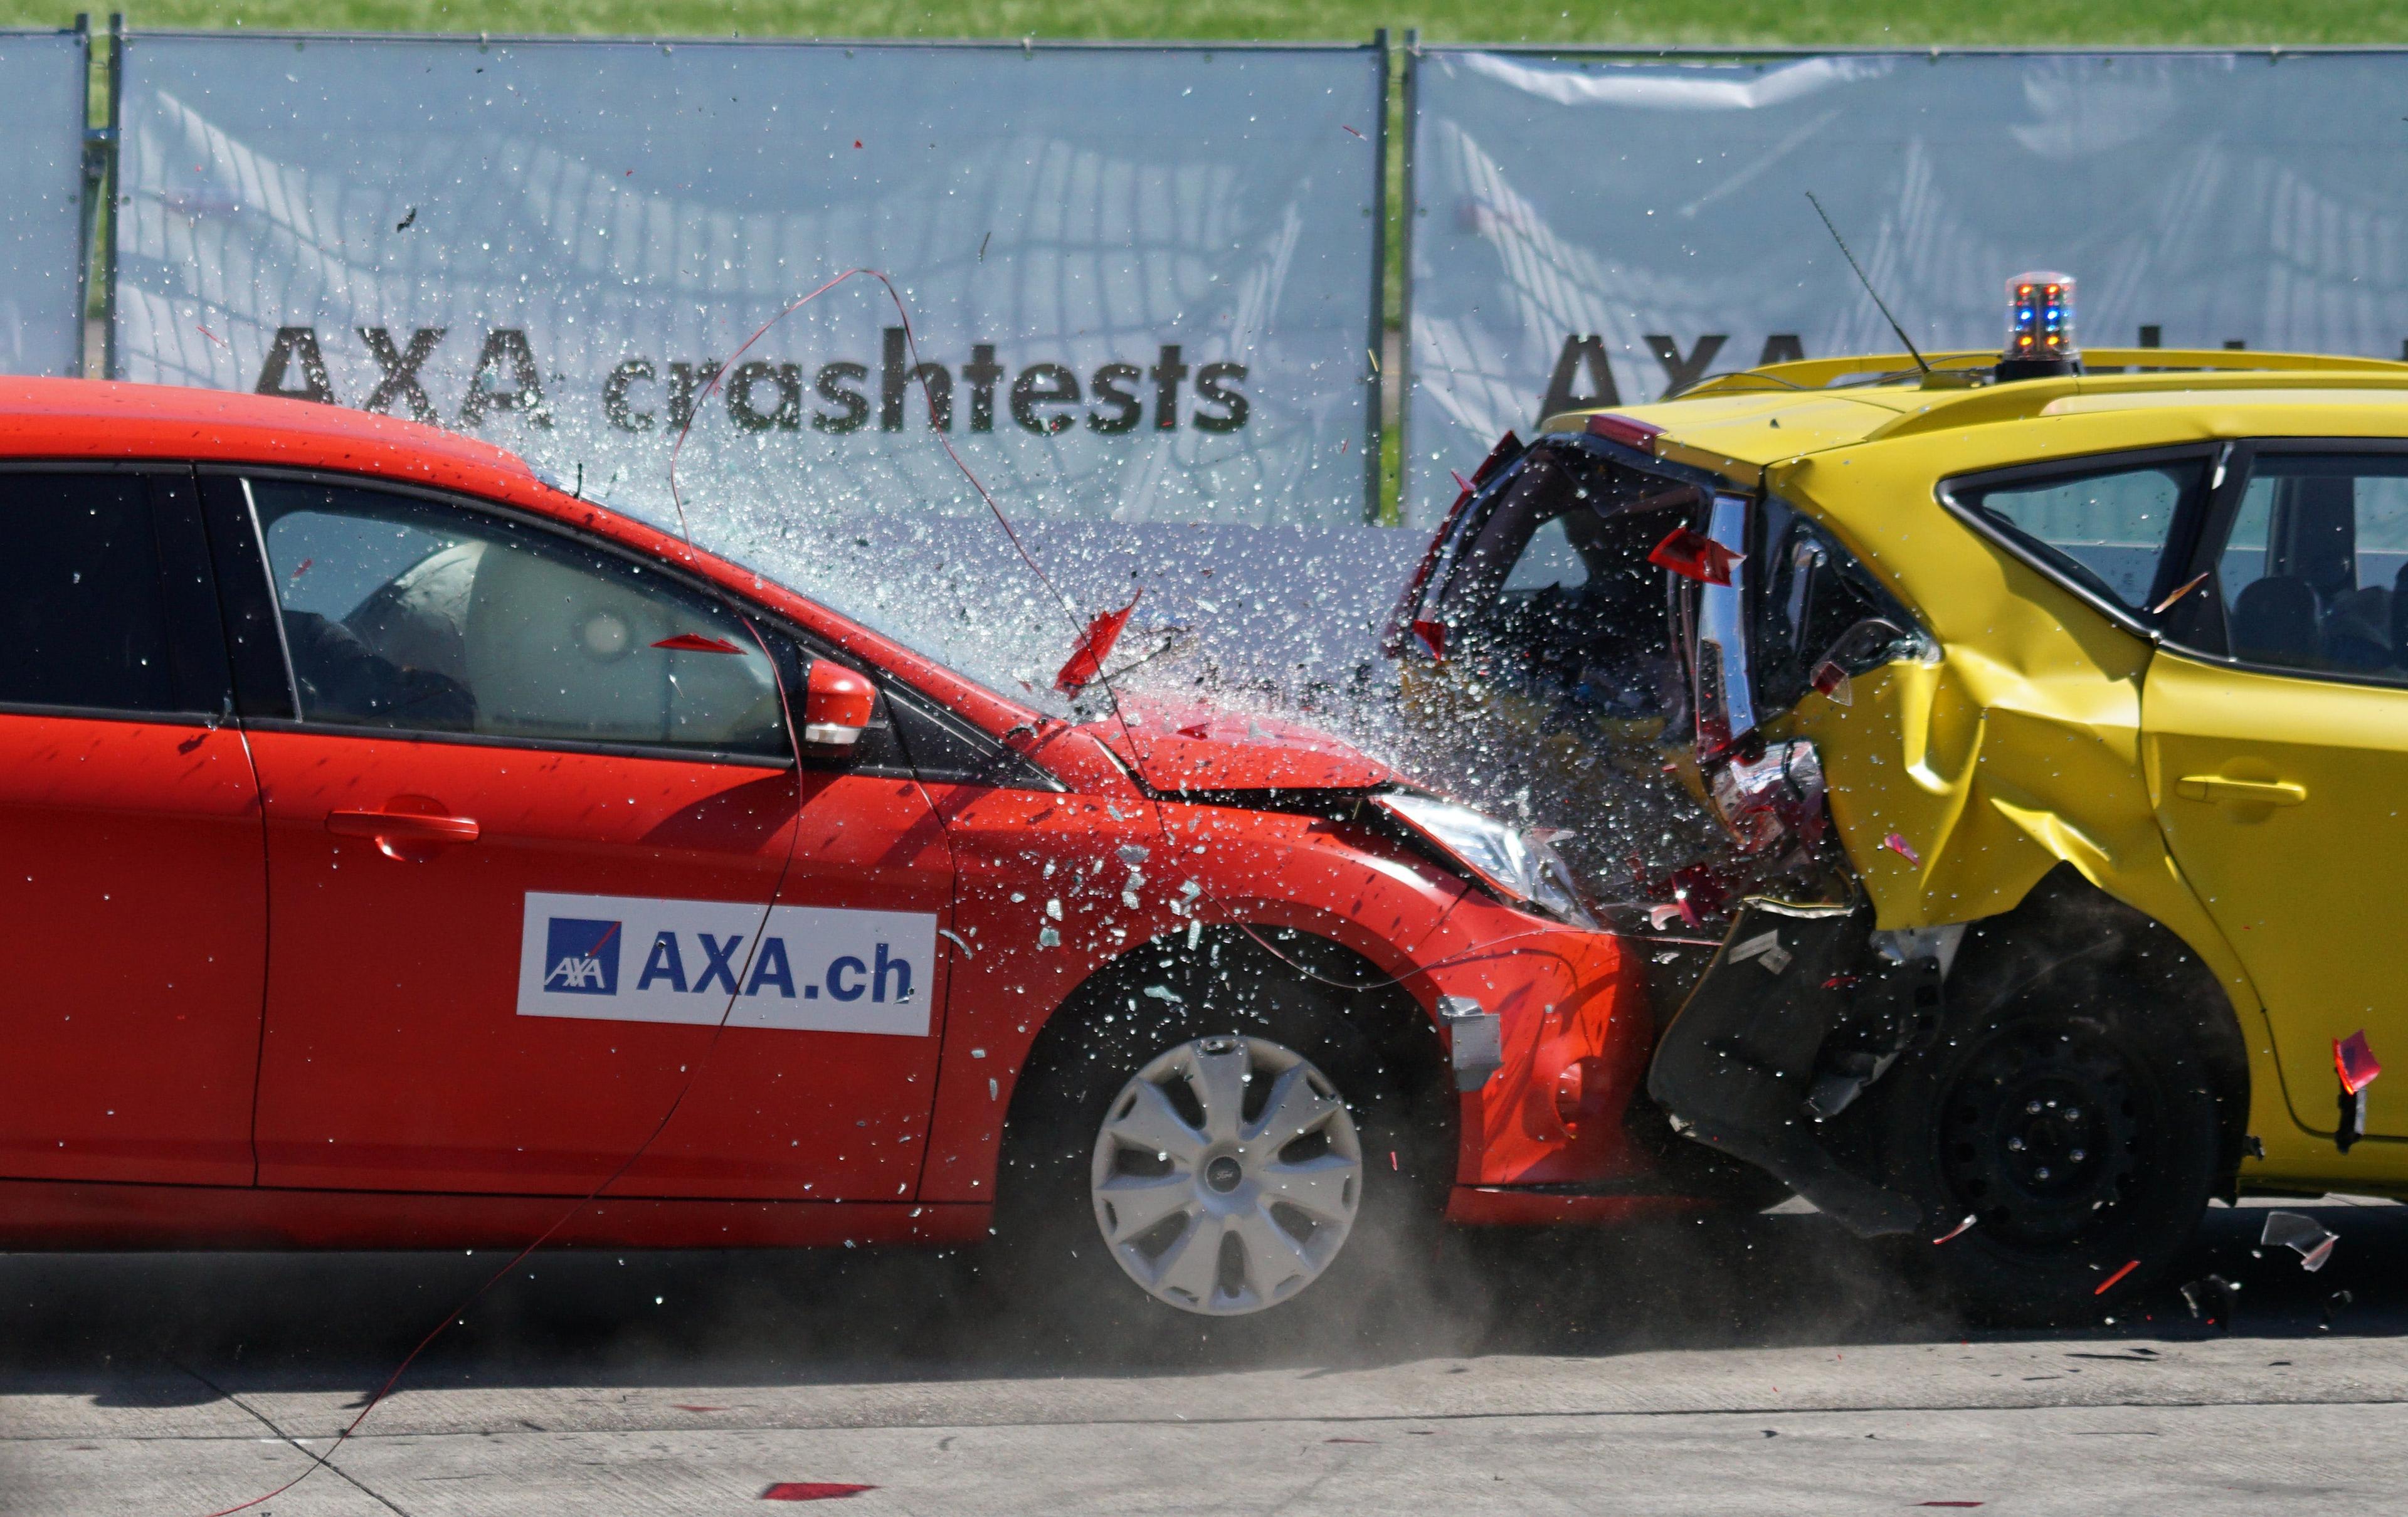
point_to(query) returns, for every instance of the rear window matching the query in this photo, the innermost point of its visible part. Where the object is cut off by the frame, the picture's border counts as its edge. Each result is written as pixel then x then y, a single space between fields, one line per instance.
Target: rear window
pixel 2103 529
pixel 83 618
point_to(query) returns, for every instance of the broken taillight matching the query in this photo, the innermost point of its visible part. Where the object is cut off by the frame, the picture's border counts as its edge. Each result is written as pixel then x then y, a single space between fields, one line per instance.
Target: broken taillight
pixel 1626 430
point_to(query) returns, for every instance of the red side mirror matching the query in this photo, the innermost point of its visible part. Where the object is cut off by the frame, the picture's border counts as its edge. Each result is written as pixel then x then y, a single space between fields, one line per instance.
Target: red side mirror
pixel 836 704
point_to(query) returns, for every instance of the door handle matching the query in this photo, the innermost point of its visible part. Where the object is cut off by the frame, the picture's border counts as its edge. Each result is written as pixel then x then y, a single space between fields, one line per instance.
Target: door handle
pixel 412 828
pixel 2216 788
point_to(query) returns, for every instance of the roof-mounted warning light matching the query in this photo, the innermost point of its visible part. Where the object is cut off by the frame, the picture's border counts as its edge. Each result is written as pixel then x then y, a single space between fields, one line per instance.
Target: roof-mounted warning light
pixel 2039 327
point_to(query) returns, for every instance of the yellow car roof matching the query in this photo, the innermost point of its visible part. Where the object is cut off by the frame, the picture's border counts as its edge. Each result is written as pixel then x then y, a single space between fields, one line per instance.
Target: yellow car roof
pixel 1761 416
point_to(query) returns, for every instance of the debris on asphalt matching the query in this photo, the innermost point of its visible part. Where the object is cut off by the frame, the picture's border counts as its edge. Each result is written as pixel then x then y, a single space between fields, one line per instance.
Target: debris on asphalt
pixel 813 1491
pixel 2108 1283
pixel 2291 1230
pixel 2335 1305
pixel 2211 1300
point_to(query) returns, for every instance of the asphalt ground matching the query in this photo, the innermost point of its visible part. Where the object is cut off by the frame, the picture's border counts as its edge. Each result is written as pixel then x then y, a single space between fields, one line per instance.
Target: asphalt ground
pixel 1745 1364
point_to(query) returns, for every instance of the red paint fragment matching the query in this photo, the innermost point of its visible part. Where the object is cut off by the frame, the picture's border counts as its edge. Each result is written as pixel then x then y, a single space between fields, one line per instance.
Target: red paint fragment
pixel 1432 636
pixel 1095 645
pixel 1343 127
pixel 1947 1503
pixel 1693 555
pixel 2108 1283
pixel 695 642
pixel 212 337
pixel 813 1491
pixel 1903 849
pixel 2355 1062
pixel 1461 483
pixel 856 142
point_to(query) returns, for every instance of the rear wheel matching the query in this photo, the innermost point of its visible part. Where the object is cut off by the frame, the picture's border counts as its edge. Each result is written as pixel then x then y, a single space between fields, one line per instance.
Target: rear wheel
pixel 1216 1148
pixel 2077 1131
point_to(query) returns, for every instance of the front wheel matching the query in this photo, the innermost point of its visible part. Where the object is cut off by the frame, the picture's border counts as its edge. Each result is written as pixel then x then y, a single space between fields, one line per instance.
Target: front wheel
pixel 1230 1147
pixel 2077 1133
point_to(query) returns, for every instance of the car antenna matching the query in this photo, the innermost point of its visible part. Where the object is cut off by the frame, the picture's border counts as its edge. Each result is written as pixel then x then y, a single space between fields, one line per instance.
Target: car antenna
pixel 1911 351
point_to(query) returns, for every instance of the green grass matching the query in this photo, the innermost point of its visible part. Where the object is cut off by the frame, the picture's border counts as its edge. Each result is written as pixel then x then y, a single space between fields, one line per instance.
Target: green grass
pixel 1753 23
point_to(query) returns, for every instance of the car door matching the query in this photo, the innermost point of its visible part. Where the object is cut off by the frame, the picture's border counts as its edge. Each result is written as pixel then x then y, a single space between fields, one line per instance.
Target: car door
pixel 133 887
pixel 529 806
pixel 2275 725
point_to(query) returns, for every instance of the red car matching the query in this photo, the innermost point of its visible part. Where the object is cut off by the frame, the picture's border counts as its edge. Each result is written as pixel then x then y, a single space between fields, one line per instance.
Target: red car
pixel 399 849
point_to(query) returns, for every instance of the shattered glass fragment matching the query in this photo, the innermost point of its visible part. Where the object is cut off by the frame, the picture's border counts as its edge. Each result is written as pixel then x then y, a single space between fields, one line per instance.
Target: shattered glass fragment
pixel 1693 555
pixel 2212 1300
pixel 2335 1305
pixel 2310 1237
pixel 1970 1220
pixel 1048 938
pixel 1903 849
pixel 695 642
pixel 1094 645
pixel 1832 681
pixel 2355 1062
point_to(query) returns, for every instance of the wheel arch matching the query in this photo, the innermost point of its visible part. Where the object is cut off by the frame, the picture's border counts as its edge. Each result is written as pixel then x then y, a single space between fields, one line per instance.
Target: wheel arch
pixel 1399 1026
pixel 2067 930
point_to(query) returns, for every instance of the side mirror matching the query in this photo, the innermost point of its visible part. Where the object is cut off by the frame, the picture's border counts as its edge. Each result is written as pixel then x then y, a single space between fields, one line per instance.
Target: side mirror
pixel 836 704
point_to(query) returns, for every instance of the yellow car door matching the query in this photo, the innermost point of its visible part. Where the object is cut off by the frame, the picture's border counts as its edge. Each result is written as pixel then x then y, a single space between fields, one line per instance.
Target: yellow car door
pixel 2275 731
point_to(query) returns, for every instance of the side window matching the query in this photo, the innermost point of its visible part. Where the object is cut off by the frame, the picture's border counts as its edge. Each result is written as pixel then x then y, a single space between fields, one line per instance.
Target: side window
pixel 2104 529
pixel 2312 573
pixel 83 616
pixel 1813 595
pixel 409 615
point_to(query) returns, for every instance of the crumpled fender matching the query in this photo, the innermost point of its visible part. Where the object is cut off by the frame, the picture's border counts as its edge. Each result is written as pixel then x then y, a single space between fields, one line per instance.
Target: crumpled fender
pixel 1956 785
pixel 1576 1032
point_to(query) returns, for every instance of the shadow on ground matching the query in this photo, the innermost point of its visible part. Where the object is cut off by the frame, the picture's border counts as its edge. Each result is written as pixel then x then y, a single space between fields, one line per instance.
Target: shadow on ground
pixel 99 1321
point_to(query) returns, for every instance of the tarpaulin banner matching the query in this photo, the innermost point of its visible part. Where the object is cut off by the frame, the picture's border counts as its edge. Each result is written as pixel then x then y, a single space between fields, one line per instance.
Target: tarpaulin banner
pixel 1140 278
pixel 1599 231
pixel 42 201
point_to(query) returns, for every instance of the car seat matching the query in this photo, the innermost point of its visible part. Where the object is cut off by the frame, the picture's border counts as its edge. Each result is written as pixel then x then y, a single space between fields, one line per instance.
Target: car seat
pixel 2275 621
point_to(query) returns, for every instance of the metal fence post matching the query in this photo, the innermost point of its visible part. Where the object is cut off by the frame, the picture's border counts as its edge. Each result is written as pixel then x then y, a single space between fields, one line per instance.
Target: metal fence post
pixel 1403 378
pixel 109 136
pixel 1378 380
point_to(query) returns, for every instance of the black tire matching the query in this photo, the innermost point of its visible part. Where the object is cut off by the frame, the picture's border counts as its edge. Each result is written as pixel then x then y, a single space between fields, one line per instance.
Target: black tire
pixel 1052 1263
pixel 2075 1121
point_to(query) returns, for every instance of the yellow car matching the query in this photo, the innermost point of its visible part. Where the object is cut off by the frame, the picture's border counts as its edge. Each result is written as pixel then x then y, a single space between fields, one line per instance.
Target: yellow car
pixel 2055 733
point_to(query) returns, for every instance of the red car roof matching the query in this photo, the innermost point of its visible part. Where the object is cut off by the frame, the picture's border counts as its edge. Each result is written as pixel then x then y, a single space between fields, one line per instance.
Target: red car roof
pixel 94 419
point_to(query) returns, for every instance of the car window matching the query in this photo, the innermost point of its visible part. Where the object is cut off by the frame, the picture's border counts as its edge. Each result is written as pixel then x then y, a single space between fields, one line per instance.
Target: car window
pixel 2311 573
pixel 2105 529
pixel 83 617
pixel 411 615
pixel 1554 595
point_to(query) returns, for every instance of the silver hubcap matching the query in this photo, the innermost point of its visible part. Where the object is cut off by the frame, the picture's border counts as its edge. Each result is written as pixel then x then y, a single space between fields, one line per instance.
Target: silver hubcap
pixel 1227 1176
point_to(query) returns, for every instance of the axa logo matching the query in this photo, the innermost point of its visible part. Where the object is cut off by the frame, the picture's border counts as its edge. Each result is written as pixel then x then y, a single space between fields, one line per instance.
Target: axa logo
pixel 581 956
